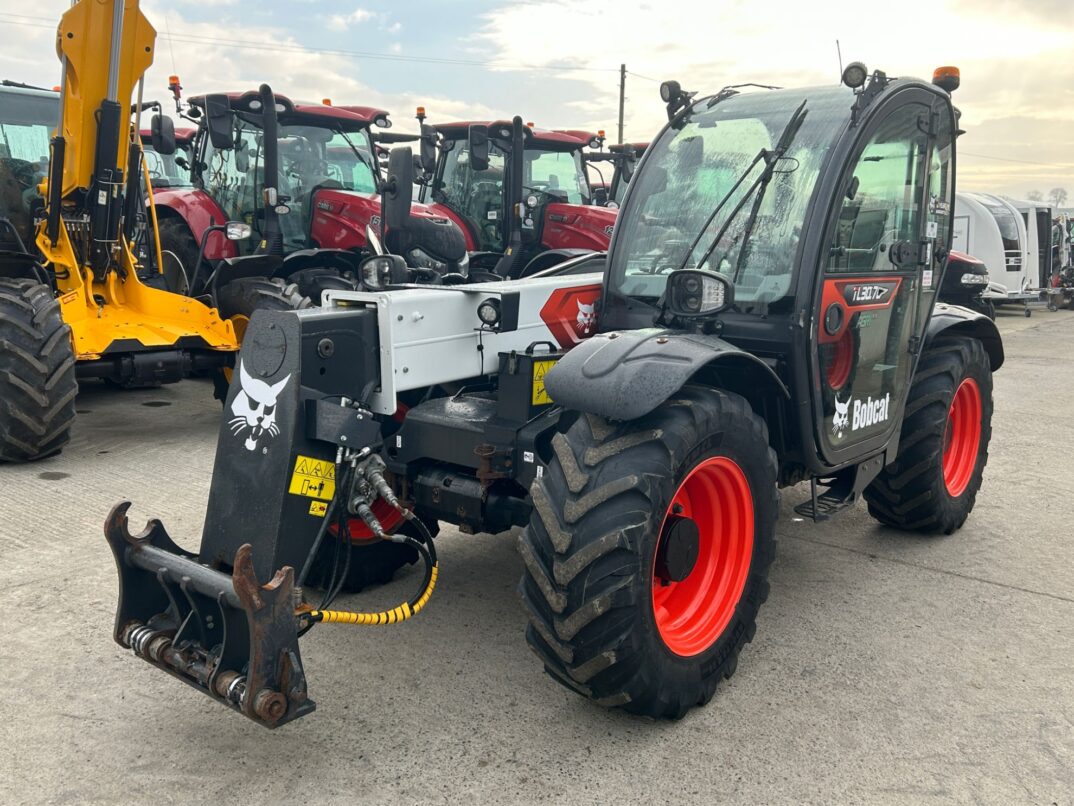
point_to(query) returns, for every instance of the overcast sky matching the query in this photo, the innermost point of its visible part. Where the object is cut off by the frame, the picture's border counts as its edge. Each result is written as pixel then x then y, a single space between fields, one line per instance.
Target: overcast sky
pixel 556 62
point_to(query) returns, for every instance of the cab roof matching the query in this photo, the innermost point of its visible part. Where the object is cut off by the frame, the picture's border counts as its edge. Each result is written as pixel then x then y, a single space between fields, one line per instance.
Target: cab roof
pixel 302 113
pixel 561 140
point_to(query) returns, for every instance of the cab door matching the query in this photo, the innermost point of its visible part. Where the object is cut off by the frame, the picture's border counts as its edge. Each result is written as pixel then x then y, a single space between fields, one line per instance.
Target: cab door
pixel 880 273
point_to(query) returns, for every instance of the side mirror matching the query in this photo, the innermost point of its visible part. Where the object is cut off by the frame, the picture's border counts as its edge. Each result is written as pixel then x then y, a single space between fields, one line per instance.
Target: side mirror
pixel 478 141
pixel 162 134
pixel 380 271
pixel 428 149
pixel 218 121
pixel 399 189
pixel 242 157
pixel 630 161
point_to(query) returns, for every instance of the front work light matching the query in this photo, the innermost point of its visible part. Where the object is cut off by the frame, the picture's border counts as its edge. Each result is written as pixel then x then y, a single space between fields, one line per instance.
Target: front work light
pixel 695 292
pixel 854 75
pixel 489 312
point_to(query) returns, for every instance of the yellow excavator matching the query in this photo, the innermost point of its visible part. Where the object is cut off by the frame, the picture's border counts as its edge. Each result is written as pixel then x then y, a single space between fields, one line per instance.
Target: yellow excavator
pixel 82 305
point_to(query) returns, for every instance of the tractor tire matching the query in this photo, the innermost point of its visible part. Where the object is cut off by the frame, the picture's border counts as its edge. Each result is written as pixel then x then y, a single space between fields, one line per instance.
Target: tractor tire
pixel 179 251
pixel 313 283
pixel 372 563
pixel 607 618
pixel 239 299
pixel 37 373
pixel 244 296
pixel 933 482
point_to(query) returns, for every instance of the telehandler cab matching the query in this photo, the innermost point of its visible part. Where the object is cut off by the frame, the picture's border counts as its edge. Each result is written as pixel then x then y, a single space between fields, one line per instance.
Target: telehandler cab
pixel 766 317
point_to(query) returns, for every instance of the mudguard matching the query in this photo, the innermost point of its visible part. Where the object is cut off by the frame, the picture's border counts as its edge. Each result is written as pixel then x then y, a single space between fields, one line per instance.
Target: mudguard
pixel 625 375
pixel 956 320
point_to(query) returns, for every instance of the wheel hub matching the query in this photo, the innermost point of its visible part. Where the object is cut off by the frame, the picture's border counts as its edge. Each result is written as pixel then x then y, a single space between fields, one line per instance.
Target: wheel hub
pixel 677 554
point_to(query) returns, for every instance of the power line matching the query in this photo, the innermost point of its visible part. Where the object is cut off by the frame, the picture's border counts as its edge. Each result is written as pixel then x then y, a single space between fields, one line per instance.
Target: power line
pixel 354 54
pixel 1011 159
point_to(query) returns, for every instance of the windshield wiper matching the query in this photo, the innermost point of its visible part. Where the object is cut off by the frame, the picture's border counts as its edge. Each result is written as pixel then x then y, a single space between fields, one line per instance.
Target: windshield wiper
pixel 760 184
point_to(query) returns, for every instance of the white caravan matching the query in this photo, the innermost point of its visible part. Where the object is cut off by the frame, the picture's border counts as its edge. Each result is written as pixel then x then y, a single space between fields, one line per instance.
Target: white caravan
pixel 992 230
pixel 1037 216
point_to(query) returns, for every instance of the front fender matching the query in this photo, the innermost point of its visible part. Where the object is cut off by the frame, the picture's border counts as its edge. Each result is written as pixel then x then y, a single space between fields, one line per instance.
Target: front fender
pixel 954 320
pixel 625 375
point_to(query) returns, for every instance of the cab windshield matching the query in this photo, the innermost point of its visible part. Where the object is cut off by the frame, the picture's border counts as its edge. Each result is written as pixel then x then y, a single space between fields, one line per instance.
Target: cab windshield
pixel 477 196
pixel 709 157
pixel 26 122
pixel 164 170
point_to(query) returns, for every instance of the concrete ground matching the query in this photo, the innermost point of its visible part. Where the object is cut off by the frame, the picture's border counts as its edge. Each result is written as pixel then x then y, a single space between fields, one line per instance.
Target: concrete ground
pixel 886 667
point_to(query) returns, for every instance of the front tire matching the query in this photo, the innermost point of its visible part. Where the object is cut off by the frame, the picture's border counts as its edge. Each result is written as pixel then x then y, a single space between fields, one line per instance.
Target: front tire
pixel 613 615
pixel 37 373
pixel 932 485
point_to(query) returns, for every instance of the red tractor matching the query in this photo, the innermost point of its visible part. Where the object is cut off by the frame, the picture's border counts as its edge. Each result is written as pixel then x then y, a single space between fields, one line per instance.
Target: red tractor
pixel 323 161
pixel 520 194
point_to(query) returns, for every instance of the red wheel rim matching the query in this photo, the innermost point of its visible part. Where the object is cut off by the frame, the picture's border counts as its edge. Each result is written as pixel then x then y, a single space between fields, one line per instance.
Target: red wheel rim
pixel 693 613
pixel 962 438
pixel 390 518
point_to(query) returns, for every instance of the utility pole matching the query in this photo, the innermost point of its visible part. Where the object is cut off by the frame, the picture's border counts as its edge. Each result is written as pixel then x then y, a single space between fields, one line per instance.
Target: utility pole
pixel 622 98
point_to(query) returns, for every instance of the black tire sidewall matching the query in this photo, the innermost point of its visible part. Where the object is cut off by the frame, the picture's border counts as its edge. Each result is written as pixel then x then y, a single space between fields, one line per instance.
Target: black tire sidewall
pixel 753 459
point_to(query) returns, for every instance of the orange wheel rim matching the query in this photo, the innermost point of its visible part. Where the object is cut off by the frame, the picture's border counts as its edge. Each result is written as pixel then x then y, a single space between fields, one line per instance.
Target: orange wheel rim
pixel 962 437
pixel 691 614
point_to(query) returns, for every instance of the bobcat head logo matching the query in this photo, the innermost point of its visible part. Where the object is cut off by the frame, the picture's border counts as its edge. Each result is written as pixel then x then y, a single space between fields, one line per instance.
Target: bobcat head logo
pixel 254 408
pixel 842 417
pixel 587 317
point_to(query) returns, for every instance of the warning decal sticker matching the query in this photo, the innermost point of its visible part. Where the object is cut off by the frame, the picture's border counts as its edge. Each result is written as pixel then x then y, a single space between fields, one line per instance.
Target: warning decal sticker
pixel 540 394
pixel 313 478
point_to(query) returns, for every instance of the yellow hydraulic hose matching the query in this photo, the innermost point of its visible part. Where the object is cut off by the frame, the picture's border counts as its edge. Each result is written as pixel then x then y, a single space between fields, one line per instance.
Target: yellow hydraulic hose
pixel 393 616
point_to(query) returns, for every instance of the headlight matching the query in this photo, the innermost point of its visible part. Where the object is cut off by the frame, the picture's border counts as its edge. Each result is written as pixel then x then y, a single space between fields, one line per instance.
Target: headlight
pixel 423 260
pixel 694 292
pixel 489 312
pixel 974 279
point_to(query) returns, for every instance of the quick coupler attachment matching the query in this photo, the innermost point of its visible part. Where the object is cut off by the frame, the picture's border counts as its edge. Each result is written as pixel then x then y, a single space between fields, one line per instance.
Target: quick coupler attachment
pixel 227 635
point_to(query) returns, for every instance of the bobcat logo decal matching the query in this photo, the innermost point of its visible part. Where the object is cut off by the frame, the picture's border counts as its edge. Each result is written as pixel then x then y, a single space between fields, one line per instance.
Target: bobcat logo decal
pixel 587 317
pixel 841 419
pixel 254 408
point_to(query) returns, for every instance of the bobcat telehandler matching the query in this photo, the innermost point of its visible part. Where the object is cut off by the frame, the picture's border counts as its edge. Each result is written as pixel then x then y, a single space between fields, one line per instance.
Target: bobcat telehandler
pixel 82 306
pixel 767 316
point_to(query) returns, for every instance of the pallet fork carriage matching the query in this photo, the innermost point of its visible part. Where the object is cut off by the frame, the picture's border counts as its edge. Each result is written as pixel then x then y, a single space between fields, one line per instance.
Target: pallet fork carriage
pixel 766 316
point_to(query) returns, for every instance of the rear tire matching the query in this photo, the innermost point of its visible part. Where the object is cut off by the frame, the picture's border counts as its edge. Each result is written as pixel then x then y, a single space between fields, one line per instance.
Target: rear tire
pixel 932 484
pixel 603 620
pixel 37 373
pixel 240 299
pixel 244 296
pixel 179 251
pixel 313 283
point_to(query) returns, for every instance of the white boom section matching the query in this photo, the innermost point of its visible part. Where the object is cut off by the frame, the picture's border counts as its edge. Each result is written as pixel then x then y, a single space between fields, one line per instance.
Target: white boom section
pixel 432 334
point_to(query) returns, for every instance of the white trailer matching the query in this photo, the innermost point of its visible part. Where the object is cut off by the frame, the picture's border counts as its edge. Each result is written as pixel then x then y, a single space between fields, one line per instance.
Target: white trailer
pixel 992 230
pixel 1037 216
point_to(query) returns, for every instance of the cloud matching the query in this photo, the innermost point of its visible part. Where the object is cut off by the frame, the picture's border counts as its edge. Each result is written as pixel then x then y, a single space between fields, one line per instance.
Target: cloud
pixel 1014 63
pixel 344 22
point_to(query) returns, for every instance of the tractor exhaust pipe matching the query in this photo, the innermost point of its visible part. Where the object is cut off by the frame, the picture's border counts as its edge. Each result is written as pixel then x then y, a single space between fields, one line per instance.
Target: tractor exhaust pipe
pixel 273 232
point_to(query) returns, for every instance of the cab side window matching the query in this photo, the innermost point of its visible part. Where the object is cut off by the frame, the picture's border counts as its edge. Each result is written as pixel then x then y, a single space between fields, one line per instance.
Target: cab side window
pixel 882 202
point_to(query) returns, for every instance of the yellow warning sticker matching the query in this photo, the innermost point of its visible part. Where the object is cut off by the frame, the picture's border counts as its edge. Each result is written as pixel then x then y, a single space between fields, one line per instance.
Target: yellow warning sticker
pixel 314 478
pixel 318 508
pixel 540 394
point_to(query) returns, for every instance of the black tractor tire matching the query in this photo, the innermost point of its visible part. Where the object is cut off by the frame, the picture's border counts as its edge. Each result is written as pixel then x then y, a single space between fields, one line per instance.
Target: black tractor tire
pixel 590 548
pixel 239 299
pixel 912 493
pixel 178 244
pixel 313 283
pixel 372 564
pixel 37 373
pixel 245 295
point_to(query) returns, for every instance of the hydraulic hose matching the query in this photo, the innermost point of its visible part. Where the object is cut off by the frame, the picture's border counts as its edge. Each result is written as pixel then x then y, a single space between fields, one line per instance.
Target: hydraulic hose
pixel 407 609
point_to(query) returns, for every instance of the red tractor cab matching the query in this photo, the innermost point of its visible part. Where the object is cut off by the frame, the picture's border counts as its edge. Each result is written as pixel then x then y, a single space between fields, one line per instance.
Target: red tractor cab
pixel 323 160
pixel 621 158
pixel 520 194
